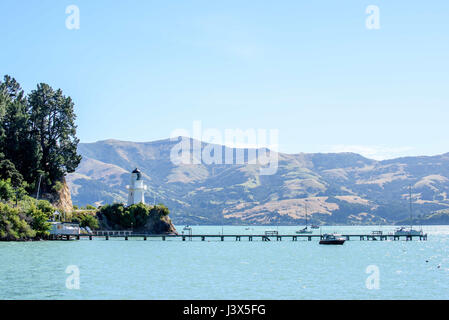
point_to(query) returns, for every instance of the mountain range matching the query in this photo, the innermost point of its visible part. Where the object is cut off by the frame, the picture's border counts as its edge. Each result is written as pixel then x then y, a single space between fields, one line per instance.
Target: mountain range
pixel 333 188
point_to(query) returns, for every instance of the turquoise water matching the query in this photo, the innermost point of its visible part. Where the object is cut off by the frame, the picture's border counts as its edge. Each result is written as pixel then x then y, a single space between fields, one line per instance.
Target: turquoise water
pixel 137 269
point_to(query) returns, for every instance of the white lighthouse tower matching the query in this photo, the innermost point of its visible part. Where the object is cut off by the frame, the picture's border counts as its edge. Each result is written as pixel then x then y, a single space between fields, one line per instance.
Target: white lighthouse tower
pixel 136 189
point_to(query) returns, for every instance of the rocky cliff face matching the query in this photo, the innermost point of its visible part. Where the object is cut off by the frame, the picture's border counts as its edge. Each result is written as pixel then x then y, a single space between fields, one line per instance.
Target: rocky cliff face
pixel 162 226
pixel 61 199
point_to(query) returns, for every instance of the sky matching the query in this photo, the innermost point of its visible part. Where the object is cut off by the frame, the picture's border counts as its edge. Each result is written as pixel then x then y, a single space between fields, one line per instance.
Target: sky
pixel 140 70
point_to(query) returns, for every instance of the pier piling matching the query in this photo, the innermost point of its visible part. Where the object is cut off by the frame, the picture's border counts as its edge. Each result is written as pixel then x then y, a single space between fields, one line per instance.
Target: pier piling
pixel 237 237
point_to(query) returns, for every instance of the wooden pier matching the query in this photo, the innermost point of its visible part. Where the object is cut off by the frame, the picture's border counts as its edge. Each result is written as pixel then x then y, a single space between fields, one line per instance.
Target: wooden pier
pixel 126 235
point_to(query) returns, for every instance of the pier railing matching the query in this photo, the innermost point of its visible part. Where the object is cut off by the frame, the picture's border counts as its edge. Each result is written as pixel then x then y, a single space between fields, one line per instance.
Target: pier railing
pixel 127 234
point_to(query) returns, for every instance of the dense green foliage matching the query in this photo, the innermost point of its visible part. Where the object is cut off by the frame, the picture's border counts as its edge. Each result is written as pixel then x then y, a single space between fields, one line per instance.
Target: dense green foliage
pixel 37 143
pixel 8 171
pixel 14 225
pixel 37 136
pixel 135 216
pixel 6 190
pixel 85 219
pixel 26 221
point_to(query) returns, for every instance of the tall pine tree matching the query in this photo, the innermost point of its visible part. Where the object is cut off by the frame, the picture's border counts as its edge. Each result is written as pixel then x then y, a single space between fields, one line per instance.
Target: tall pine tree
pixel 52 120
pixel 37 133
pixel 17 143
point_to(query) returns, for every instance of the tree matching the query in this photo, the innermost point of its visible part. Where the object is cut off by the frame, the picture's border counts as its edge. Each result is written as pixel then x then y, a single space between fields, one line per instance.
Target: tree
pixel 37 133
pixel 9 171
pixel 159 211
pixel 53 126
pixel 16 141
pixel 86 220
pixel 136 215
pixel 6 190
pixel 11 89
pixel 13 224
pixel 39 222
pixel 46 208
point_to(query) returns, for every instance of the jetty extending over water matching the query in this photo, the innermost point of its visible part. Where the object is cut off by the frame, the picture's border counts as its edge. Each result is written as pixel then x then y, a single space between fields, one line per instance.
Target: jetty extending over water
pixel 126 235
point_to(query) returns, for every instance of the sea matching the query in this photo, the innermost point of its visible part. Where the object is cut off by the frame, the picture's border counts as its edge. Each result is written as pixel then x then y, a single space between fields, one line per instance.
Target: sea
pixel 190 270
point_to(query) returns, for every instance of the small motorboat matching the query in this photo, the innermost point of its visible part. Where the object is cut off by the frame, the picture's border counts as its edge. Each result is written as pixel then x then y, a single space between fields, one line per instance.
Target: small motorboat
pixel 332 239
pixel 314 226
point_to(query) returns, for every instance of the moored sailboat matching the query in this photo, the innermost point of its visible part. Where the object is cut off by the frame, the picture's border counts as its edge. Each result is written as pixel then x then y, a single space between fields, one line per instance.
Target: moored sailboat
pixel 306 229
pixel 409 231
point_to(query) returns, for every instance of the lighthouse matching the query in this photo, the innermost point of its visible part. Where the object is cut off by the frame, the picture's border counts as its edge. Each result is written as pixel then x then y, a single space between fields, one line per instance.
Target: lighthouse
pixel 136 189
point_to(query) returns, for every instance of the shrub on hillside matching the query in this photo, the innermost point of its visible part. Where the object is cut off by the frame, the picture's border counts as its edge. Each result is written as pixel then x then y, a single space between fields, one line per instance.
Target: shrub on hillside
pixel 136 216
pixel 6 190
pixel 85 219
pixel 39 221
pixel 14 225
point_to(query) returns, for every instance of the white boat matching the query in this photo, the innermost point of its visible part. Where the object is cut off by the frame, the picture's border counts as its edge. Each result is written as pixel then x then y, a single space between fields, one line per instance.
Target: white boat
pixel 65 228
pixel 306 229
pixel 403 231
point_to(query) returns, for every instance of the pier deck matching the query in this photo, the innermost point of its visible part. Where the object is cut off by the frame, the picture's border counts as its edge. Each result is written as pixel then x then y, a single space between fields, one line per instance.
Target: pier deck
pixel 106 235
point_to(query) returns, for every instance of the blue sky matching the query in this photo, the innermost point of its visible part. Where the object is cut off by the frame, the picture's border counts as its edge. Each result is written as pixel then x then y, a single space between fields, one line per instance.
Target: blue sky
pixel 137 70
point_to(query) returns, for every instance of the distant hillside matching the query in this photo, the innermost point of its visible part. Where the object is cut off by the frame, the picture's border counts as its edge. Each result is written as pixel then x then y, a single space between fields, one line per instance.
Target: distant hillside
pixel 338 188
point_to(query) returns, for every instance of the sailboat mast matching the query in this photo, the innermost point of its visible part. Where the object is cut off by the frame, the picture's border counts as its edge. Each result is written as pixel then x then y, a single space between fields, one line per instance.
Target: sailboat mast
pixel 411 214
pixel 306 214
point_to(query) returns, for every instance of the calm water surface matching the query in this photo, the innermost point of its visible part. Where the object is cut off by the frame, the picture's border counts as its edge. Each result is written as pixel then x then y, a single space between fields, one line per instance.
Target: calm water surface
pixel 137 269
